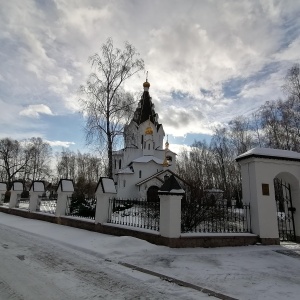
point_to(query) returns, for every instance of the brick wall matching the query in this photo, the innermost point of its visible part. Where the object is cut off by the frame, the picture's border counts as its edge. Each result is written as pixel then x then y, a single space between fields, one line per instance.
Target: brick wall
pixel 182 242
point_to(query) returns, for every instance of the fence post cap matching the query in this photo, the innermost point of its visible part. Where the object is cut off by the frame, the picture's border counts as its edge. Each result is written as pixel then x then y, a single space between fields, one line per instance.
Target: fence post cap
pixel 106 186
pixel 18 186
pixel 65 185
pixel 3 187
pixel 37 186
pixel 171 187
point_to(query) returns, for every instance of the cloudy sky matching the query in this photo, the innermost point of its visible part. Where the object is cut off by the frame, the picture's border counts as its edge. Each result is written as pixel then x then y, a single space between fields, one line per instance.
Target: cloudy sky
pixel 208 61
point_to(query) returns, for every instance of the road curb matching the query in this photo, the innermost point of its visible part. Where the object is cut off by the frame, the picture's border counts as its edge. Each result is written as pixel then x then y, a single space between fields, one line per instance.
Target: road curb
pixel 179 282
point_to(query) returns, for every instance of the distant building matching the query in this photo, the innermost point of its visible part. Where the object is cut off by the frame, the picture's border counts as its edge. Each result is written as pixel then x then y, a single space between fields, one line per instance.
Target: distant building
pixel 142 166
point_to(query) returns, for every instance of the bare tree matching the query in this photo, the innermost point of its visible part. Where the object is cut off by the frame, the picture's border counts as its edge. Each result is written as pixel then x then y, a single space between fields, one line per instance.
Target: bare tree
pixel 13 158
pixel 104 102
pixel 256 128
pixel 275 124
pixel 66 164
pixel 292 82
pixel 39 165
pixel 240 134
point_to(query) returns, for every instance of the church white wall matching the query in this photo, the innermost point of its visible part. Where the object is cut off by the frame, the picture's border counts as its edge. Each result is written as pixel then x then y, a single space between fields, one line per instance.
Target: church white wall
pixel 145 186
pixel 130 189
pixel 148 145
pixel 118 159
pixel 126 186
pixel 148 169
pixel 159 138
pixel 131 154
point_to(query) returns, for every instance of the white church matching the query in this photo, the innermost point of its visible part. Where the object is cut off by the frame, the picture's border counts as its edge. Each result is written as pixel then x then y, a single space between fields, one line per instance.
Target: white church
pixel 142 166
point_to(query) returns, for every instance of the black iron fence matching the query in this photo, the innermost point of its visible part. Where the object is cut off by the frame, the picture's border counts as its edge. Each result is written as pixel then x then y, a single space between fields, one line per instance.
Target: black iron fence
pixel 4 201
pixel 216 218
pixel 134 212
pixel 23 203
pixel 80 206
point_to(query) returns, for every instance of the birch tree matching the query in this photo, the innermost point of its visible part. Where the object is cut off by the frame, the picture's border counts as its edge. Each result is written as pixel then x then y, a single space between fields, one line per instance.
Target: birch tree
pixel 104 103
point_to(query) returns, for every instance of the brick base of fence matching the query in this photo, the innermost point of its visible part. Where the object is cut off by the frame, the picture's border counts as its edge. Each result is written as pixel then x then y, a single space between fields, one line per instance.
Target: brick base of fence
pixel 182 242
pixel 265 241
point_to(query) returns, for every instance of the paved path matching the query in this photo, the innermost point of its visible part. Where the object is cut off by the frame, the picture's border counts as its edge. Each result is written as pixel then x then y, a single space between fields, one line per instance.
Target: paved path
pixel 53 261
pixel 33 267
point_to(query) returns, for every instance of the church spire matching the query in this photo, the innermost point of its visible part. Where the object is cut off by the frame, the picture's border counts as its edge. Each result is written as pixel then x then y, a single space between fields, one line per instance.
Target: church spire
pixel 146 84
pixel 145 110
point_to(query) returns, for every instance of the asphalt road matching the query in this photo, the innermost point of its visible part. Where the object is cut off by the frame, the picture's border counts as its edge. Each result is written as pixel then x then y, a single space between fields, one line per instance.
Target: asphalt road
pixel 33 267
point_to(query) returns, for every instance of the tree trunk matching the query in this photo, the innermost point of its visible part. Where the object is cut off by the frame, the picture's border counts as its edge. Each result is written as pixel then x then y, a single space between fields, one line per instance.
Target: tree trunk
pixel 109 147
pixel 110 173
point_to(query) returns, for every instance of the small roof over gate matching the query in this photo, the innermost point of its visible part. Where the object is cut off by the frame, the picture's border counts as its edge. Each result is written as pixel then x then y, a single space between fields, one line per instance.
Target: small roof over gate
pixel 270 153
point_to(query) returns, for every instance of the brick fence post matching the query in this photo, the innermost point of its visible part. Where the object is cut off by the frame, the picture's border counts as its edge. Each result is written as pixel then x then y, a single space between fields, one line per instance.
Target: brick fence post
pixel 104 191
pixel 36 189
pixel 170 195
pixel 65 189
pixel 15 193
pixel 3 189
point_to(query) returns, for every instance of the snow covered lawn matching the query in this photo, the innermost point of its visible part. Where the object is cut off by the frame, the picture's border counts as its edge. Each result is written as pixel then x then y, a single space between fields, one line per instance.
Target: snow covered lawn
pixel 250 272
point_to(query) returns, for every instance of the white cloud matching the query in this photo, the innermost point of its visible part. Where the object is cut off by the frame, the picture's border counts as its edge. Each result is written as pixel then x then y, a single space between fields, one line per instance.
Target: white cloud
pixel 34 111
pixel 60 143
pixel 193 47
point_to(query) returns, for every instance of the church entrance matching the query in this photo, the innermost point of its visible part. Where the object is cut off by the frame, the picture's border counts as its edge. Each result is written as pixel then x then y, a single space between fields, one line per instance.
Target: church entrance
pixel 285 210
pixel 152 194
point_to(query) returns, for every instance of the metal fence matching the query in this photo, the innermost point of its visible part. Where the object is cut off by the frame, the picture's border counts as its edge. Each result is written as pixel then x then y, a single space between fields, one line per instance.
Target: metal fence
pixel 2 198
pixel 47 205
pixel 82 207
pixel 217 218
pixel 23 203
pixel 134 212
pixel 4 201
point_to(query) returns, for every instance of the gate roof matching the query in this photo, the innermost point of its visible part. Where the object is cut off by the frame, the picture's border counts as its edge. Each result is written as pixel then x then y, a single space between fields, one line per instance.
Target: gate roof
pixel 270 153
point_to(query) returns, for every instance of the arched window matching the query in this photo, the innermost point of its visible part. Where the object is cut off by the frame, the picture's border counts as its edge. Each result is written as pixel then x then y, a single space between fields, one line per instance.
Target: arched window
pixel 140 174
pixel 120 163
pixel 149 146
pixel 142 141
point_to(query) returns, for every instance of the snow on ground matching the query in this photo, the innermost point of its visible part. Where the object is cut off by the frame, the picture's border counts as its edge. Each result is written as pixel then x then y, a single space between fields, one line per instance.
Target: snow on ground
pixel 252 272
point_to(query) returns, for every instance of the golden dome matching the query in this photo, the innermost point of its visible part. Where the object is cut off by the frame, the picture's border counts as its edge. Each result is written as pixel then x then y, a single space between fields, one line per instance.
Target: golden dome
pixel 165 163
pixel 149 130
pixel 146 84
pixel 167 145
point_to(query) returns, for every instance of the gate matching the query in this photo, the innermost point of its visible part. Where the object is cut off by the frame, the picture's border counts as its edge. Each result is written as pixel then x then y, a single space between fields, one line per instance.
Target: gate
pixel 285 210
